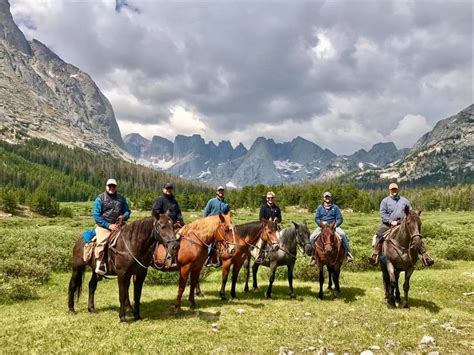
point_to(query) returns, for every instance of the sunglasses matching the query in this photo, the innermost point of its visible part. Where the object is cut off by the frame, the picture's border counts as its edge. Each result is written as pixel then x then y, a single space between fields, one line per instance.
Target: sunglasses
pixel 269 198
pixel 112 186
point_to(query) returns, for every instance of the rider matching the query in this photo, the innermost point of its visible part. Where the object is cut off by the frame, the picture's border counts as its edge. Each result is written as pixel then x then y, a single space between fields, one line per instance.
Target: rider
pixel 215 206
pixel 269 211
pixel 392 211
pixel 110 211
pixel 167 203
pixel 328 212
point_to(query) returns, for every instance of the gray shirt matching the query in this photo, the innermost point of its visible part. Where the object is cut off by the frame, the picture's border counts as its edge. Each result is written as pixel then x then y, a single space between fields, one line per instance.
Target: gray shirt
pixel 391 209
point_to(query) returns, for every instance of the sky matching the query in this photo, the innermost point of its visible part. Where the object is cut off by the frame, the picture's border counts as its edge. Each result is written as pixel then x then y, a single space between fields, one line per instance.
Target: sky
pixel 342 74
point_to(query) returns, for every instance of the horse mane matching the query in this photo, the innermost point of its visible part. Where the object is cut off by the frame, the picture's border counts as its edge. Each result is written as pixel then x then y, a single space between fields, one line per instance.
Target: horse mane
pixel 286 233
pixel 138 227
pixel 206 225
pixel 250 228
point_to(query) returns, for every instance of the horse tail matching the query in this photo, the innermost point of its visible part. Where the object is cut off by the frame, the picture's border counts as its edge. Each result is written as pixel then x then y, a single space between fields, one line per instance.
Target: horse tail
pixel 77 279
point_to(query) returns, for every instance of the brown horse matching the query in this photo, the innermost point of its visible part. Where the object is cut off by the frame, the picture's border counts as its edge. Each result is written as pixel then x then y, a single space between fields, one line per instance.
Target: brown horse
pixel 193 243
pixel 131 255
pixel 400 254
pixel 249 234
pixel 329 251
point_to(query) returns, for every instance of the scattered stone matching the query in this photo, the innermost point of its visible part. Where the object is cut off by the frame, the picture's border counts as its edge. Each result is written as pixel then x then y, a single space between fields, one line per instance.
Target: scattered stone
pixel 374 347
pixel 335 323
pixel 312 348
pixel 215 327
pixel 390 343
pixel 428 340
pixel 367 352
pixel 433 353
pixel 434 321
pixel 468 294
pixel 320 341
pixel 282 350
pixel 240 310
pixel 307 314
pixel 290 352
pixel 323 351
pixel 331 354
pixel 357 297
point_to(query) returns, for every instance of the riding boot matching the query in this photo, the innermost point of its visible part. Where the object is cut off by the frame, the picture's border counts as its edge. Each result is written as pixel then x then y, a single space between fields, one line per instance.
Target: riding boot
pixel 349 257
pixel 374 259
pixel 217 261
pixel 100 268
pixel 426 259
pixel 210 251
pixel 313 261
pixel 261 254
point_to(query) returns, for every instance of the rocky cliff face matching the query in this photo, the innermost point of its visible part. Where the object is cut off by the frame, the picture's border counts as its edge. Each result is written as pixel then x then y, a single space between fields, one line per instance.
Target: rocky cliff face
pixel 42 96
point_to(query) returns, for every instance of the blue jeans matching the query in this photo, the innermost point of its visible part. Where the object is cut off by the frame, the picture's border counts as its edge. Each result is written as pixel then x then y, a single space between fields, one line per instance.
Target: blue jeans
pixel 340 231
pixel 211 247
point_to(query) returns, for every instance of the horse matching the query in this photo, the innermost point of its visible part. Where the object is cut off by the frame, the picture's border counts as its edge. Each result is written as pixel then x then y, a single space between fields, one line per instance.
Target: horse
pixel 329 251
pixel 249 234
pixel 131 255
pixel 194 240
pixel 400 254
pixel 289 239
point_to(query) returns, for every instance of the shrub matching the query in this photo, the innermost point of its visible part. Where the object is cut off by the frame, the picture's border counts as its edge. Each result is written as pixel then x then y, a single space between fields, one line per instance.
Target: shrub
pixel 8 201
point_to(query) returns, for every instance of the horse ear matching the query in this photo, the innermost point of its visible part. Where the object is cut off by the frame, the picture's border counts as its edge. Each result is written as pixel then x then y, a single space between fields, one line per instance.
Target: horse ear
pixel 333 225
pixel 407 209
pixel 221 217
pixel 231 213
pixel 295 224
pixel 419 212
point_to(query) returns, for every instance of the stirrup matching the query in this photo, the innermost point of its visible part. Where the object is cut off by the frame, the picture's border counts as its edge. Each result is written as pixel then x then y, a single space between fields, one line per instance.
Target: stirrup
pixel 427 260
pixel 349 257
pixel 100 268
pixel 374 260
pixel 208 262
pixel 312 261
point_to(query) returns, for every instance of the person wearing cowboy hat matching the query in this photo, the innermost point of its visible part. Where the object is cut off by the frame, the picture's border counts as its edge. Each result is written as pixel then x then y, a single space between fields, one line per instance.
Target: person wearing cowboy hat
pixel 328 212
pixel 213 207
pixel 110 211
pixel 270 211
pixel 392 211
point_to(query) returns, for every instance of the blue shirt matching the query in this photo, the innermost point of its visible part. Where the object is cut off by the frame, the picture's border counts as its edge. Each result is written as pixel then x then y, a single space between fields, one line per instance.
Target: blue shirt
pixel 98 212
pixel 333 213
pixel 215 206
pixel 392 209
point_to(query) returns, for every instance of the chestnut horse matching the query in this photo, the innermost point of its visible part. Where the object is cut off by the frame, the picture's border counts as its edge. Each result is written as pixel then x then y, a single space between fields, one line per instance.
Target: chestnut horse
pixel 400 254
pixel 329 251
pixel 194 240
pixel 131 255
pixel 249 234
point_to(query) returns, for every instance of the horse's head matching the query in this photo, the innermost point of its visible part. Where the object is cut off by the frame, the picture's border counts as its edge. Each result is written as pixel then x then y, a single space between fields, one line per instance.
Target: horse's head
pixel 163 228
pixel 268 233
pixel 225 233
pixel 328 236
pixel 412 222
pixel 302 235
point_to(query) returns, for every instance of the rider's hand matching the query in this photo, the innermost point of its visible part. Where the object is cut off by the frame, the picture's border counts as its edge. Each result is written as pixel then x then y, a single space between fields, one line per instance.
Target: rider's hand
pixel 394 223
pixel 113 227
pixel 121 218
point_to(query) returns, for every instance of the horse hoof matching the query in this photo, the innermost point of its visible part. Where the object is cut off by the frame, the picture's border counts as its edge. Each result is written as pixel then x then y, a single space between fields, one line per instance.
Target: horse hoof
pixel 223 298
pixel 320 296
pixel 246 289
pixel 91 309
pixel 336 295
pixel 193 306
pixel 137 318
pixel 391 304
pixel 123 320
pixel 292 295
pixel 255 288
pixel 405 305
pixel 268 296
pixel 71 310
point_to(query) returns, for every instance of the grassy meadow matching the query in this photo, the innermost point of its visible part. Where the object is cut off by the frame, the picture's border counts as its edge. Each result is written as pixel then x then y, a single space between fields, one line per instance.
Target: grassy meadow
pixel 34 260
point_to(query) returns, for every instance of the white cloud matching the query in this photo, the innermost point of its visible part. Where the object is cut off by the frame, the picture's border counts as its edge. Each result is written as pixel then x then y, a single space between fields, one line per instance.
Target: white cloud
pixel 409 130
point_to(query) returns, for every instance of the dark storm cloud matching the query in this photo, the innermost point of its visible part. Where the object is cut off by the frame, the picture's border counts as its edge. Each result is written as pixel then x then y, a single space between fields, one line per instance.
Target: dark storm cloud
pixel 360 66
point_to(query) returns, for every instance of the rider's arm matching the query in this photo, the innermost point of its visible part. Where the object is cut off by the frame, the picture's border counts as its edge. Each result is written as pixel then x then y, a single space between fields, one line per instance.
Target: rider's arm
pixel 125 209
pixel 278 215
pixel 318 216
pixel 97 213
pixel 207 209
pixel 339 218
pixel 384 214
pixel 157 207
pixel 262 213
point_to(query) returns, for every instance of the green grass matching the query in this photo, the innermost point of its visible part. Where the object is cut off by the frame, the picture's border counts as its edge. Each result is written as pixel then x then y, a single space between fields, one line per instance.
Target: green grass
pixel 35 252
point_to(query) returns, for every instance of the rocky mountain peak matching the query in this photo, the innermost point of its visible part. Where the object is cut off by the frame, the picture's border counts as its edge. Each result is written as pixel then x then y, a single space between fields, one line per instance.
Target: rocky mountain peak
pixel 10 32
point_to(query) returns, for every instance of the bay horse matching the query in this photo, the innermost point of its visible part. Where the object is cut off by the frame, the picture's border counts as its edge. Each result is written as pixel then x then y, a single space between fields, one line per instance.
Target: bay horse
pixel 400 254
pixel 329 251
pixel 249 234
pixel 131 255
pixel 289 239
pixel 194 240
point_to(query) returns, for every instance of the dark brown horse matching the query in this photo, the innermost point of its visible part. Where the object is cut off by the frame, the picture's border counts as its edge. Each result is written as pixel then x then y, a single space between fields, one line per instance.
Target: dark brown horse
pixel 400 254
pixel 194 240
pixel 249 234
pixel 329 251
pixel 131 255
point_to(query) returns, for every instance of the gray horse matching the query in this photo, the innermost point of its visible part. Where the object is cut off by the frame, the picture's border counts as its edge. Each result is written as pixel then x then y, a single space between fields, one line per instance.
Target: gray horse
pixel 289 238
pixel 400 254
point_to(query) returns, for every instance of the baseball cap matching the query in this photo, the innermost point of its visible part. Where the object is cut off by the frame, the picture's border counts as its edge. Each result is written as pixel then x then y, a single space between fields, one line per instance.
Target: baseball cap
pixel 111 182
pixel 327 193
pixel 220 188
pixel 393 186
pixel 168 186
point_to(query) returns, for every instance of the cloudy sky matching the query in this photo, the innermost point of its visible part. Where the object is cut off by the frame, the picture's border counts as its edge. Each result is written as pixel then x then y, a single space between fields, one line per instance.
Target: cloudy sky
pixel 343 74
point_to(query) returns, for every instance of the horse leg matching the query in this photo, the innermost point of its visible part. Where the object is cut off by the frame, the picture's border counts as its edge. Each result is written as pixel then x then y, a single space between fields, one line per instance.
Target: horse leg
pixel 386 280
pixel 124 285
pixel 75 285
pixel 291 266
pixel 397 288
pixel 329 281
pixel 192 287
pixel 137 293
pixel 198 291
pixel 92 287
pixel 406 286
pixel 225 274
pixel 321 281
pixel 254 274
pixel 391 284
pixel 336 274
pixel 183 277
pixel 235 274
pixel 247 274
pixel 273 267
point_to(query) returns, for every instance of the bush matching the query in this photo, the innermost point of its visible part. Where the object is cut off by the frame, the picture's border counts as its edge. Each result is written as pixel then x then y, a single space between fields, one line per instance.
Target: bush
pixel 16 289
pixel 66 212
pixel 44 205
pixel 8 201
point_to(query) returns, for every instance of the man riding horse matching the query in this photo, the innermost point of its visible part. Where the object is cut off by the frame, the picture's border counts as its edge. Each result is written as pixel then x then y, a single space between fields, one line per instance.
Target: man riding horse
pixel 328 212
pixel 269 211
pixel 110 211
pixel 215 206
pixel 392 211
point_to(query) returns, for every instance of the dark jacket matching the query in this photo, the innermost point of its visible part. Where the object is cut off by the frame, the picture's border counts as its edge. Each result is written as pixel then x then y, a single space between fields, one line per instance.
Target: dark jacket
pixel 270 212
pixel 107 209
pixel 328 215
pixel 166 203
